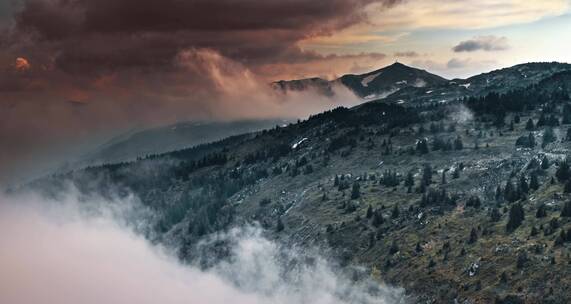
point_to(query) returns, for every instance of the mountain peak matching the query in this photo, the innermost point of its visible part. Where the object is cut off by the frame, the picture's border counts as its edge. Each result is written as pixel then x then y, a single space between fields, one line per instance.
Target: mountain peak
pixel 398 64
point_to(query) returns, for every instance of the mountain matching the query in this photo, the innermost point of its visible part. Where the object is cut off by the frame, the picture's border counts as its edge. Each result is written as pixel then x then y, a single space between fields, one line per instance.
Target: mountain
pixel 400 83
pixel 499 81
pixel 128 147
pixel 463 201
pixel 388 80
pixel 375 84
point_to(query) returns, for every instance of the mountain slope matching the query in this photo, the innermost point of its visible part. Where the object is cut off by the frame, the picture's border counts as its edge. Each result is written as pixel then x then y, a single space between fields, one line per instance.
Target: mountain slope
pixel 466 210
pixel 169 138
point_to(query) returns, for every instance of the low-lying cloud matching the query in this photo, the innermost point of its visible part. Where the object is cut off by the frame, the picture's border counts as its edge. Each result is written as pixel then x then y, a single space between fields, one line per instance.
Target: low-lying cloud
pixel 56 252
pixel 483 43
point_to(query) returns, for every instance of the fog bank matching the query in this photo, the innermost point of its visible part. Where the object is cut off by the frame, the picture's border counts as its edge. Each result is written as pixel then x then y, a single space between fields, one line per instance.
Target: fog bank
pixel 62 252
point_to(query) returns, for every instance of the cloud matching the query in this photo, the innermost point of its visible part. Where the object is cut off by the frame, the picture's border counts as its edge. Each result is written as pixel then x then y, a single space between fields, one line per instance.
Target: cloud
pixel 145 34
pixel 409 54
pixel 467 14
pixel 456 63
pixel 455 67
pixel 68 251
pixel 483 43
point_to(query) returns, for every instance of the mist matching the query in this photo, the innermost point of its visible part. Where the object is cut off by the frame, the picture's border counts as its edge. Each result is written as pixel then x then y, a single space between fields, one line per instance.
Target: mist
pixel 200 85
pixel 78 250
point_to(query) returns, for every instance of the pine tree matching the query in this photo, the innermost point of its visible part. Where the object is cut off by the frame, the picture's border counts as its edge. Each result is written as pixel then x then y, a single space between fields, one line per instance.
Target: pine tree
pixel 529 125
pixel 378 219
pixel 548 137
pixel 456 173
pixel 523 186
pixel 562 172
pixel 566 211
pixel 409 181
pixel 422 146
pixel 356 191
pixel 541 211
pixel 418 248
pixel 516 217
pixel 396 212
pixel 473 236
pixel 510 193
pixel 516 119
pixel 521 260
pixel 473 201
pixel 458 145
pixel 534 181
pixel 280 225
pixel 394 248
pixel 427 174
pixel 531 140
pixel 369 212
pixel 495 215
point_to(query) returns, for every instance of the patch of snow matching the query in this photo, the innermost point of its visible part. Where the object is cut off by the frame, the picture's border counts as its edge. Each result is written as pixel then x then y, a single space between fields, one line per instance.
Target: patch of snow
pixel 371 96
pixel 467 85
pixel 294 146
pixel 401 82
pixel 428 92
pixel 400 101
pixel 366 80
pixel 474 268
pixel 419 83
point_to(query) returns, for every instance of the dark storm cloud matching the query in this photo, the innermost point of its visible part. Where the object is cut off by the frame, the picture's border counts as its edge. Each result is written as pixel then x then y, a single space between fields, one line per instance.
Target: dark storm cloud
pixel 149 33
pixel 484 43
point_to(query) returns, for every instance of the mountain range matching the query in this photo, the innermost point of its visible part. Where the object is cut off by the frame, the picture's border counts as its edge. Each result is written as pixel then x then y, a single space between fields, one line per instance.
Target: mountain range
pixel 401 82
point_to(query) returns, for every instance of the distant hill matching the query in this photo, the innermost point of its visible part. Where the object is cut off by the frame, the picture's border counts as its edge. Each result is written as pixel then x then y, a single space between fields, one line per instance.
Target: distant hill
pixel 178 136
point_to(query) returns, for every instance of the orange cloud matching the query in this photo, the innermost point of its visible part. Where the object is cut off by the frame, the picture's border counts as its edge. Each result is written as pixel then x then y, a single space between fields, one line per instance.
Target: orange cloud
pixel 22 64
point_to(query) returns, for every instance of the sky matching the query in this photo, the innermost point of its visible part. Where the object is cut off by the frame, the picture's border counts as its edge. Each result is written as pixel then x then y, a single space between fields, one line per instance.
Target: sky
pixel 74 72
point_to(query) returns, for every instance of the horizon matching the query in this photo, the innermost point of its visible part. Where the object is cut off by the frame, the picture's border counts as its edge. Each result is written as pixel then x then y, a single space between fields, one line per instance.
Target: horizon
pixel 427 70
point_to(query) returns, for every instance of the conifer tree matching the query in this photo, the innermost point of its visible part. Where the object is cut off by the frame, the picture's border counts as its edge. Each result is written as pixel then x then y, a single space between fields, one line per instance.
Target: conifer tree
pixel 566 211
pixel 516 217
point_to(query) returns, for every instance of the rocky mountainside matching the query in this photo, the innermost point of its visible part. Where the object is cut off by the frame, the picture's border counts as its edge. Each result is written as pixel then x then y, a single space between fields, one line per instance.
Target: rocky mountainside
pixel 458 195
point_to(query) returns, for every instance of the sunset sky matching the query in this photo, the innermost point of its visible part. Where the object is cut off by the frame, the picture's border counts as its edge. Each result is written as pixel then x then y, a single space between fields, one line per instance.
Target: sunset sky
pixel 75 70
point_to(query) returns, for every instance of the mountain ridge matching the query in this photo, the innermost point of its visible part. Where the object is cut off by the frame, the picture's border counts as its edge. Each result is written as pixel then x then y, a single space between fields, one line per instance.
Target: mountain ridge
pixel 370 88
